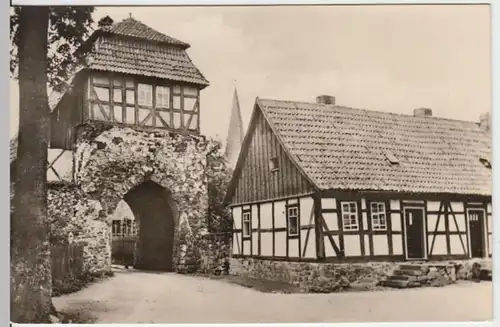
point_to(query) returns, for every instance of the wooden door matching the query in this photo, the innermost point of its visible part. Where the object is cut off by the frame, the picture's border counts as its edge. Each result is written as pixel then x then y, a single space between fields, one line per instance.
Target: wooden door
pixel 414 226
pixel 476 230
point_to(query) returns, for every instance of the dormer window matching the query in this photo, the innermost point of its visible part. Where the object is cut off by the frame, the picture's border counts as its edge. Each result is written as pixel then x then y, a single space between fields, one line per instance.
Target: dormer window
pixel 485 162
pixel 273 164
pixel 393 160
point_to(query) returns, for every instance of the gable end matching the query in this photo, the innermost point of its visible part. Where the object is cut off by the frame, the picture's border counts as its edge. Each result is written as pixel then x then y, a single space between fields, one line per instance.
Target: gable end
pixel 264 170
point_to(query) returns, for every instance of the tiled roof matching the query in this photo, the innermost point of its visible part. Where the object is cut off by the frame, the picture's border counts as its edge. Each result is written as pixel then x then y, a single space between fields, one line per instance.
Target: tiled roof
pixel 348 149
pixel 132 47
pixel 134 28
pixel 132 56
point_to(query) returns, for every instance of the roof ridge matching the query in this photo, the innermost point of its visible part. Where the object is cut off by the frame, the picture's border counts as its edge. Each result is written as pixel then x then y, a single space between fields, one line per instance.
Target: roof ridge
pixel 369 110
pixel 121 28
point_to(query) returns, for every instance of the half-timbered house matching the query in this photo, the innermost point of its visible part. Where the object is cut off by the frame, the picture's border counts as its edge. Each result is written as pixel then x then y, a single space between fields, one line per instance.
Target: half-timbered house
pixel 322 182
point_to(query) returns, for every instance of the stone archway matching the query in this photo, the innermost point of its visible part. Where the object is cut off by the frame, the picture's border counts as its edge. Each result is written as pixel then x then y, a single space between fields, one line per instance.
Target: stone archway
pixel 156 218
pixel 115 164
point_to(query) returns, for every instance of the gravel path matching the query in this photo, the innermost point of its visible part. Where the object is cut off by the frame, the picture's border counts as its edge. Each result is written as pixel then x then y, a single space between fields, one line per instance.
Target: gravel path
pixel 141 297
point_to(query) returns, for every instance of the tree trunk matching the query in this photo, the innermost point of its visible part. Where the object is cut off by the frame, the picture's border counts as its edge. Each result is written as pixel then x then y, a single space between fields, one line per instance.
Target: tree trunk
pixel 31 280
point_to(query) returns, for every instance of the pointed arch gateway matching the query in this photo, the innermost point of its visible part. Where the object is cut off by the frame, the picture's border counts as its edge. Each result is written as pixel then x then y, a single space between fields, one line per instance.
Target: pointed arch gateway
pixel 156 215
pixel 149 244
pixel 156 221
pixel 162 179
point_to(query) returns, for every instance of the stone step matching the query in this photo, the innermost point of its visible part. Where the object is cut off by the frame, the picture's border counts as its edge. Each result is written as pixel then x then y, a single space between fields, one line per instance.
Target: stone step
pixel 441 266
pixel 421 278
pixel 414 284
pixel 417 267
pixel 402 277
pixel 486 274
pixel 395 283
pixel 408 272
pixel 486 264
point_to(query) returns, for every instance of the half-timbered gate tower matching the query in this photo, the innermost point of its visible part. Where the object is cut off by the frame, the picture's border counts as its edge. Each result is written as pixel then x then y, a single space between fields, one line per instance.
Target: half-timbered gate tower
pixel 127 127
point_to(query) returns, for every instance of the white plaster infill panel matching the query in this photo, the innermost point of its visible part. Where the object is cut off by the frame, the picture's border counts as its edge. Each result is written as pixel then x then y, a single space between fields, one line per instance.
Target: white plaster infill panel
pixel 59 165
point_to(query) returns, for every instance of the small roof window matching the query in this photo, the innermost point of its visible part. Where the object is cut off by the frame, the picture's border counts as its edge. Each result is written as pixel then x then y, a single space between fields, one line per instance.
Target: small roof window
pixel 273 164
pixel 391 157
pixel 485 162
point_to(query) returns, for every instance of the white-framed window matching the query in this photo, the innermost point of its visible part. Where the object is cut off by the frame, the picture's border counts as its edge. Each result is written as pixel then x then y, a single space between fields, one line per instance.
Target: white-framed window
pixel 129 227
pixel 124 227
pixel 349 216
pixel 378 216
pixel 116 227
pixel 293 221
pixel 145 94
pixel 247 225
pixel 162 97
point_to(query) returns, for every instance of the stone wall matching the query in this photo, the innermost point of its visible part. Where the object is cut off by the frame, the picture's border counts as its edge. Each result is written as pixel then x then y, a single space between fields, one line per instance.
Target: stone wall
pixel 215 250
pixel 74 217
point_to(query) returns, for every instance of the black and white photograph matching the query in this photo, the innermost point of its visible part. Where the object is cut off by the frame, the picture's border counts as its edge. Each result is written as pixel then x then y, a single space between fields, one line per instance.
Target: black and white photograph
pixel 251 164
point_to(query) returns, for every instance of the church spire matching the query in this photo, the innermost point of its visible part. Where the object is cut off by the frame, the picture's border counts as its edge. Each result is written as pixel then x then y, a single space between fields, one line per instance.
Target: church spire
pixel 235 133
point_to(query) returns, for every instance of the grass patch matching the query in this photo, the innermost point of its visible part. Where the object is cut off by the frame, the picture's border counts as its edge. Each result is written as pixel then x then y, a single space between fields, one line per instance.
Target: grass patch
pixel 72 284
pixel 261 285
pixel 75 317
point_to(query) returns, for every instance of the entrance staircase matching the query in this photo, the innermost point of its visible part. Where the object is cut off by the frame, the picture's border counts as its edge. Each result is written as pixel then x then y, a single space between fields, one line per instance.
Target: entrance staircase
pixel 417 274
pixel 407 276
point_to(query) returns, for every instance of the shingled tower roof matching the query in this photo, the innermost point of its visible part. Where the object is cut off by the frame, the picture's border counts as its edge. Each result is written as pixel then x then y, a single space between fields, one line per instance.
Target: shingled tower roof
pixel 132 47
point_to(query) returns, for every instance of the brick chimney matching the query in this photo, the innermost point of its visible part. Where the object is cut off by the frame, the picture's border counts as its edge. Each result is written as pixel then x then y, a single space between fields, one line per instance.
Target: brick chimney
pixel 484 121
pixel 422 112
pixel 105 23
pixel 325 99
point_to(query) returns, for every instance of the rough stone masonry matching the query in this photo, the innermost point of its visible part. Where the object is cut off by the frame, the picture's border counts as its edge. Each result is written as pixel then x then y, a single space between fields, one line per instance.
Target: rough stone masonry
pixel 333 277
pixel 108 163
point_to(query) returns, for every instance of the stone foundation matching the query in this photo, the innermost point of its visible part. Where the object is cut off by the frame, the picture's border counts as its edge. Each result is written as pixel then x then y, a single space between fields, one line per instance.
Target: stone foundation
pixel 332 277
pixel 312 277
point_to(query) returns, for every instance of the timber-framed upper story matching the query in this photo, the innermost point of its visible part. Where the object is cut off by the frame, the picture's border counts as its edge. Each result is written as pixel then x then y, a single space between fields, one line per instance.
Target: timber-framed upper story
pixel 132 75
pixel 297 148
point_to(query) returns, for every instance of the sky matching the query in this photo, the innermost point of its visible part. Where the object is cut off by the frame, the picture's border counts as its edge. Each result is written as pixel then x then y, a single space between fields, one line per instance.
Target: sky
pixel 391 58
